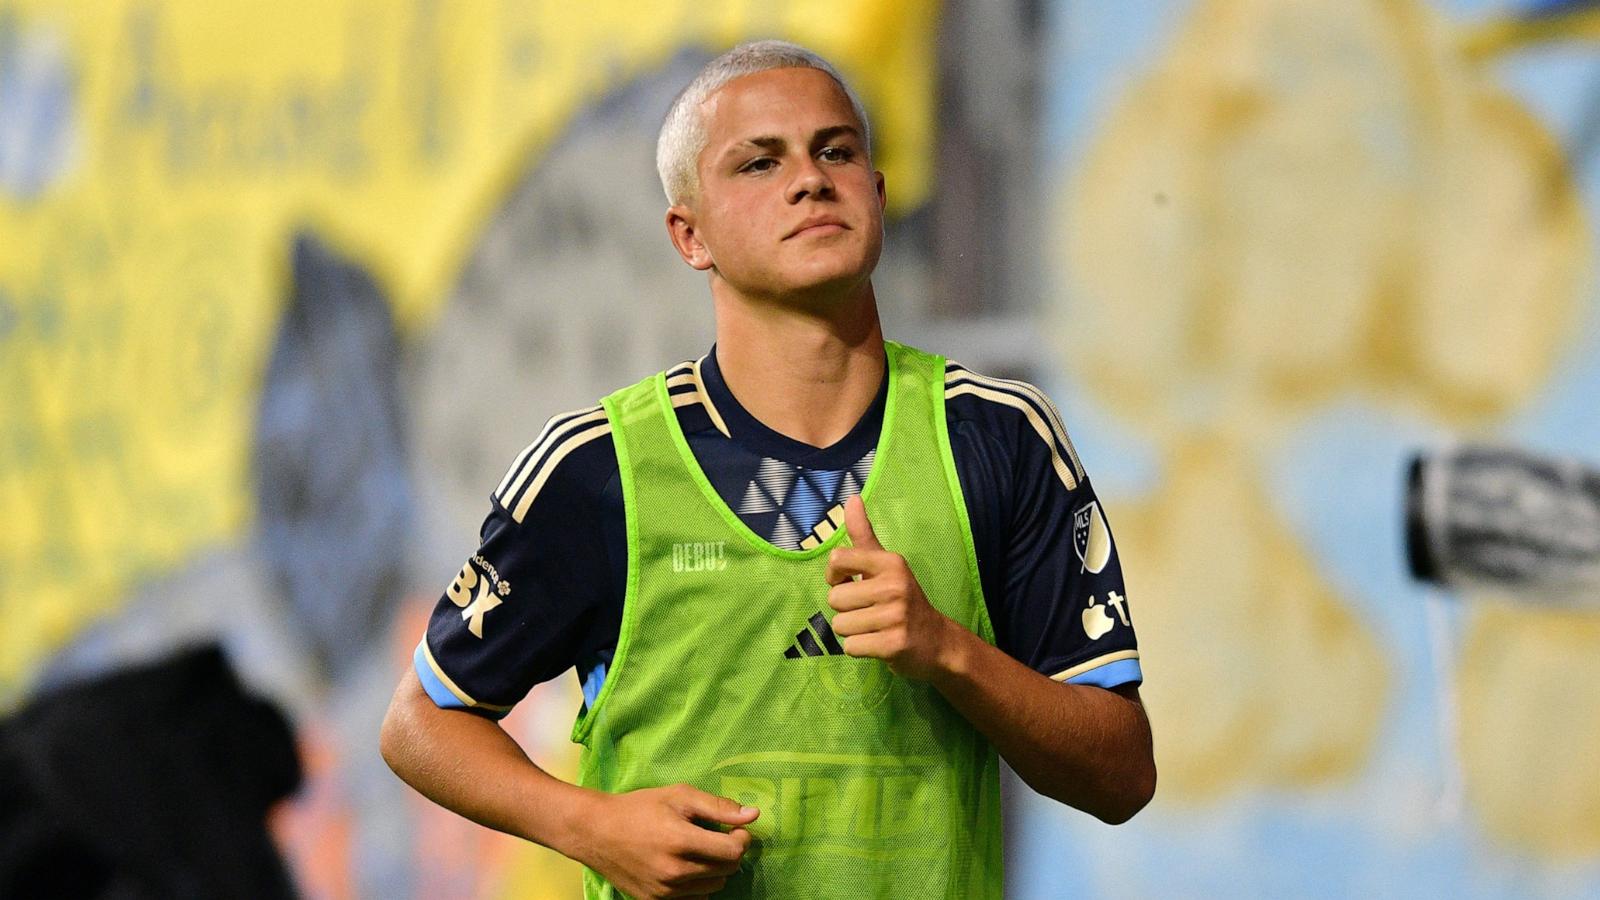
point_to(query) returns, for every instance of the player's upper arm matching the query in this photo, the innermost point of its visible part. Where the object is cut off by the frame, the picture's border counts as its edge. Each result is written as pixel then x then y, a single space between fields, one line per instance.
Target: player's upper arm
pixel 522 605
pixel 1052 577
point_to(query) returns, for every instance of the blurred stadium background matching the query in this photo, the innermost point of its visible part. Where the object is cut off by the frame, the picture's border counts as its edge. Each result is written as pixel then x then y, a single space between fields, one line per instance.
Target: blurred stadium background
pixel 284 287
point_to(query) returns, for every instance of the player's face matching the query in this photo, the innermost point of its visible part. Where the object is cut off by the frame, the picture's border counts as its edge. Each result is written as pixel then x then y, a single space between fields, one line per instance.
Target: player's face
pixel 789 204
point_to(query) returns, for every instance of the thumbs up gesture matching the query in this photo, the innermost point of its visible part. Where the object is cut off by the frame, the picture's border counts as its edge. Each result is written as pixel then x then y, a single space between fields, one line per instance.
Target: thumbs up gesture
pixel 882 612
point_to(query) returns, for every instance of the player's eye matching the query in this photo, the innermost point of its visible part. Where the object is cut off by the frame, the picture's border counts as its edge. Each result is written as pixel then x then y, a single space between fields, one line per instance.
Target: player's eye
pixel 759 164
pixel 836 154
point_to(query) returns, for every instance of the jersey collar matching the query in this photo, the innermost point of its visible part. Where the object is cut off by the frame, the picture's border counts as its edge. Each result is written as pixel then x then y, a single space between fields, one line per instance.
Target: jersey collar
pixel 749 432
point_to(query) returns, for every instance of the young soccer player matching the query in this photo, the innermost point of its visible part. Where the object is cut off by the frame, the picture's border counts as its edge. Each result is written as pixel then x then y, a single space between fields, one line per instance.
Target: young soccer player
pixel 813 583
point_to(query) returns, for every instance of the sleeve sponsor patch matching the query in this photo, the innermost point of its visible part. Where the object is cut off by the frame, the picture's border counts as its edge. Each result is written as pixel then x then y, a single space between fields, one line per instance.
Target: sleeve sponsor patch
pixel 477 590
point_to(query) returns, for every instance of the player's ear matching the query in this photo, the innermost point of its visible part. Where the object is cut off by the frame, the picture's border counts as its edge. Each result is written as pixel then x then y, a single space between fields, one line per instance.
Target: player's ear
pixel 883 196
pixel 681 228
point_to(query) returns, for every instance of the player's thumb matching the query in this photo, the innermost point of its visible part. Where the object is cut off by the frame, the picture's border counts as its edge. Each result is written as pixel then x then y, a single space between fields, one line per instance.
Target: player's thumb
pixel 698 804
pixel 858 526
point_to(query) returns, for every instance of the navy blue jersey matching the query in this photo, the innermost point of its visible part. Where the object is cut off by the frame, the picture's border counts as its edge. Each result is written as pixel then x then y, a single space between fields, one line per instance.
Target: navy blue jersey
pixel 544 592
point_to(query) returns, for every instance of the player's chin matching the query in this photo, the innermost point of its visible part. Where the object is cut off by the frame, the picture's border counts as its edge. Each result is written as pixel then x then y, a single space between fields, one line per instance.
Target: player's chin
pixel 827 288
pixel 831 268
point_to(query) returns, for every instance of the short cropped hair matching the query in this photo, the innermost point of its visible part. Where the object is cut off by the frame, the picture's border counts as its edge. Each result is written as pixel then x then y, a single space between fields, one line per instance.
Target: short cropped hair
pixel 683 134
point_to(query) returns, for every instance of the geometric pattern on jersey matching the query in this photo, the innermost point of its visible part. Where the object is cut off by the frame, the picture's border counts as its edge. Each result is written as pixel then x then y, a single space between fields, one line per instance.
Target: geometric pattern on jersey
pixel 797 501
pixel 869 784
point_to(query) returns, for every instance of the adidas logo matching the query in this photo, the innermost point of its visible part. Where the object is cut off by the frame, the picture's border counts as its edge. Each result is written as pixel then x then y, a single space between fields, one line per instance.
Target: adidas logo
pixel 806 644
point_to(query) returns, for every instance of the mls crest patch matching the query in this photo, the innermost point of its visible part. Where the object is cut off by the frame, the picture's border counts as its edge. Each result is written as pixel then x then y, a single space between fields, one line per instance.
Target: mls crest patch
pixel 1090 537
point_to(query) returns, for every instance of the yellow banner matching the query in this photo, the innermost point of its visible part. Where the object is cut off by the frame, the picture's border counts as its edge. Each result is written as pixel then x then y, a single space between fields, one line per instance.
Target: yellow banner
pixel 154 160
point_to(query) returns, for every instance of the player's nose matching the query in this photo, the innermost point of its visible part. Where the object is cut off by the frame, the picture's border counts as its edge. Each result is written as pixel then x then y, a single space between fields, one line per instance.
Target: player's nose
pixel 810 180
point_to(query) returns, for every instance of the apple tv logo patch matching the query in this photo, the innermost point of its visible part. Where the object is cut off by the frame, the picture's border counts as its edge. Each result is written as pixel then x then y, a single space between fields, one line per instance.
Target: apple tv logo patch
pixel 1096 621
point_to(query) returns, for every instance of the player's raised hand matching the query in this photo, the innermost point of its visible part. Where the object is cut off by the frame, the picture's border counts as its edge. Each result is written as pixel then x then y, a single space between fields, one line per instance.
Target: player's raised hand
pixel 649 843
pixel 882 612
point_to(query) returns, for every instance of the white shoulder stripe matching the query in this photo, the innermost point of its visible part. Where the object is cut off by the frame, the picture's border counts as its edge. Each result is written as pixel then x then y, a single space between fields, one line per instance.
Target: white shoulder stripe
pixel 1028 392
pixel 568 431
pixel 1050 409
pixel 1021 387
pixel 517 464
pixel 705 398
pixel 527 452
pixel 556 431
pixel 576 440
pixel 1065 472
pixel 689 375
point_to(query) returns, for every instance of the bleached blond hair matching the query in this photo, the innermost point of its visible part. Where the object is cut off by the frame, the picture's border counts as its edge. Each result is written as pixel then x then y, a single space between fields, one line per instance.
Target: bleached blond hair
pixel 683 133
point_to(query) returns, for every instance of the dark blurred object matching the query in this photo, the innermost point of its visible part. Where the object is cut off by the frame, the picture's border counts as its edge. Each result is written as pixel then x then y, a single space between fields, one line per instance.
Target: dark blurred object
pixel 151 782
pixel 332 483
pixel 1508 520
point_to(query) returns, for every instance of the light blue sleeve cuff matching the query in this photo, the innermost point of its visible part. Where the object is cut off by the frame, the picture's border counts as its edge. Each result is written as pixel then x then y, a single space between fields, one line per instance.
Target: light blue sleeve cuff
pixel 444 694
pixel 440 694
pixel 1112 674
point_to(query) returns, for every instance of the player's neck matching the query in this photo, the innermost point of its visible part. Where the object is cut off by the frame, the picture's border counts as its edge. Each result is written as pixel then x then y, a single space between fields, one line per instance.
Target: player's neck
pixel 806 373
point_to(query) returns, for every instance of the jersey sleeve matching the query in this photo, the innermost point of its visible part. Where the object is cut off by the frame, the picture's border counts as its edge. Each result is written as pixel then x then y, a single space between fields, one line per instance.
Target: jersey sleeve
pixel 1071 573
pixel 1051 573
pixel 536 595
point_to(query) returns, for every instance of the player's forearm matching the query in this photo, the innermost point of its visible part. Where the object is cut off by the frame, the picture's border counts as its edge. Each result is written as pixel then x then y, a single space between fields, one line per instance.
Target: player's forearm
pixel 470 766
pixel 1084 746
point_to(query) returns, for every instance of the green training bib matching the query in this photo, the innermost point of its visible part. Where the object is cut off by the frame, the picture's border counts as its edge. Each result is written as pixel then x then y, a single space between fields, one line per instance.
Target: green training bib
pixel 727 676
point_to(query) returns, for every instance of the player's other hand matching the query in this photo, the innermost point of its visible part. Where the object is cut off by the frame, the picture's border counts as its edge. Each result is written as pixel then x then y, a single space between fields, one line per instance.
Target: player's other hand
pixel 648 844
pixel 883 613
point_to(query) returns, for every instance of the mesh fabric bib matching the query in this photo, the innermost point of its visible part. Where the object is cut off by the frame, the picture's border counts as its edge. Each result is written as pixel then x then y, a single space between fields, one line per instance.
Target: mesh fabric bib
pixel 727 677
